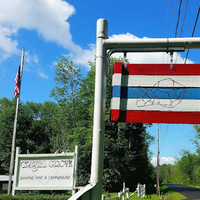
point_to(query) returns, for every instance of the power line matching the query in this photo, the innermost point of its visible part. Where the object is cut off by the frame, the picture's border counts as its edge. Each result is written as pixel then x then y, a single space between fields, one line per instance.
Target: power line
pixel 166 27
pixel 179 13
pixel 173 18
pixel 182 25
pixel 184 18
pixel 164 137
pixel 167 19
pixel 193 33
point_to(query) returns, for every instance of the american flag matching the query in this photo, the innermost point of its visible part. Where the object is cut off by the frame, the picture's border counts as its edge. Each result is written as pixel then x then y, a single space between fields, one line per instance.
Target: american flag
pixel 17 83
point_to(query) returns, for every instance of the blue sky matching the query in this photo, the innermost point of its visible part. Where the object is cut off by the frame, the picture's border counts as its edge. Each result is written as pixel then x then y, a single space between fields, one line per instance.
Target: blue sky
pixel 48 29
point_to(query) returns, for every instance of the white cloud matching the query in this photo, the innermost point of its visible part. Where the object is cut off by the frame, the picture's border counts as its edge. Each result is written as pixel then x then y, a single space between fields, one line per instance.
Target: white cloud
pixel 163 160
pixel 50 19
pixel 84 55
pixel 42 74
pixel 7 45
pixel 31 58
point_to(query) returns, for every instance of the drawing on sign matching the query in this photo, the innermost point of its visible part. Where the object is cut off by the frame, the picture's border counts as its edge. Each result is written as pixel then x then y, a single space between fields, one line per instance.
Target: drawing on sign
pixel 158 94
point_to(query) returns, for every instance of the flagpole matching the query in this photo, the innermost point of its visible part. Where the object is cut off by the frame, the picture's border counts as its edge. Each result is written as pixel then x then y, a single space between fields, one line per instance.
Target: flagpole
pixel 14 129
pixel 158 163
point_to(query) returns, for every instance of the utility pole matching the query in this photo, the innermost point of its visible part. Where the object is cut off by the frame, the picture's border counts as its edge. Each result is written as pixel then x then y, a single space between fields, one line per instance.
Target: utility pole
pixel 158 164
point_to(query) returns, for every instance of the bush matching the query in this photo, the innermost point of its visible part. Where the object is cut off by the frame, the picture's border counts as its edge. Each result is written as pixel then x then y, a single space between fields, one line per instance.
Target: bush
pixel 34 197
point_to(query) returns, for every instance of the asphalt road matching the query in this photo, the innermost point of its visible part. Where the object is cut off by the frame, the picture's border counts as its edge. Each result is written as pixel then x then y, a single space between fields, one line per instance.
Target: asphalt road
pixel 190 192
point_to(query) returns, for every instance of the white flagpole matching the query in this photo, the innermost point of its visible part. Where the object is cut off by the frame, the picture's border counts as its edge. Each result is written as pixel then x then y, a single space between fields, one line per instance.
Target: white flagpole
pixel 14 128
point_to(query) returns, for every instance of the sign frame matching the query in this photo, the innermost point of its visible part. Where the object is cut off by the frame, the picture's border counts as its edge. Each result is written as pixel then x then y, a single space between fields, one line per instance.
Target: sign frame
pixel 156 93
pixel 46 170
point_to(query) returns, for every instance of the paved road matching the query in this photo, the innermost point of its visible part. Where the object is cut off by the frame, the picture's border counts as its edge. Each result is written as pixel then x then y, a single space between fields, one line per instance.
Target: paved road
pixel 190 192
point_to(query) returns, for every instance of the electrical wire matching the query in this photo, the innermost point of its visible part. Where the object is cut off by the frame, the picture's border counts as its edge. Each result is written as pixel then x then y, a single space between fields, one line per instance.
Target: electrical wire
pixel 193 33
pixel 164 137
pixel 179 13
pixel 184 17
pixel 182 26
pixel 166 27
pixel 167 19
pixel 173 17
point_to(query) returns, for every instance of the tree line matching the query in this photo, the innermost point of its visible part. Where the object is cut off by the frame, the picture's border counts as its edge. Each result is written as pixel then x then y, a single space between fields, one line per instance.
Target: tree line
pixel 58 126
pixel 186 170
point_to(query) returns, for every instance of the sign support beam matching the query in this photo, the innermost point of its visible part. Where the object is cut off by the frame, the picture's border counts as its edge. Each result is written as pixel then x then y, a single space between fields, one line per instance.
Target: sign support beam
pixel 103 45
pixel 99 111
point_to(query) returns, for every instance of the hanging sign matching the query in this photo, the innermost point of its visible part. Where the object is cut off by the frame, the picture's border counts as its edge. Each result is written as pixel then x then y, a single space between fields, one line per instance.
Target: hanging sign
pixel 155 93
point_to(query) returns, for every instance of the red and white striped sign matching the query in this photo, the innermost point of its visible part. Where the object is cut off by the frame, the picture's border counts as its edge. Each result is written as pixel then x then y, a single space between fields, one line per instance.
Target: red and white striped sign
pixel 154 93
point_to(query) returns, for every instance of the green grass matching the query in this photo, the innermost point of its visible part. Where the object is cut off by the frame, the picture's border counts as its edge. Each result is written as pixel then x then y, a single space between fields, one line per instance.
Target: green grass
pixel 168 194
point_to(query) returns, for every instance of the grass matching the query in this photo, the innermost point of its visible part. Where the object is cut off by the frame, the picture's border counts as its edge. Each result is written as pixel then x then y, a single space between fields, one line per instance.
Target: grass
pixel 167 194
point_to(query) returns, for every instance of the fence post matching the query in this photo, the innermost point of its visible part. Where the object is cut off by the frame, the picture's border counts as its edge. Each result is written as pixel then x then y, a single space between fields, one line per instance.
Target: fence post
pixel 120 195
pixel 144 190
pixel 103 197
pixel 127 194
pixel 138 190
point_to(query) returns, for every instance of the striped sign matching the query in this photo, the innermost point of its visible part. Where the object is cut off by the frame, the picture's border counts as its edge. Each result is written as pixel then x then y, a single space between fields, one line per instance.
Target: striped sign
pixel 154 93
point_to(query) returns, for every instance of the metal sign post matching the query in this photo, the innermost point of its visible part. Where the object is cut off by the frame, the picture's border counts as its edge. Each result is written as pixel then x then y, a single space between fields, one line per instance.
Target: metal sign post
pixel 105 47
pixel 99 111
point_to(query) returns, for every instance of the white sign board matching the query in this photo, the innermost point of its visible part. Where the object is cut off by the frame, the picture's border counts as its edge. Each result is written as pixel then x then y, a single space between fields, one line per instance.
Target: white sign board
pixel 45 171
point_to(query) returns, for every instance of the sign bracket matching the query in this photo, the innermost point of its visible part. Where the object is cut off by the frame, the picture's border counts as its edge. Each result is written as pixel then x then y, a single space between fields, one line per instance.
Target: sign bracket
pixel 105 46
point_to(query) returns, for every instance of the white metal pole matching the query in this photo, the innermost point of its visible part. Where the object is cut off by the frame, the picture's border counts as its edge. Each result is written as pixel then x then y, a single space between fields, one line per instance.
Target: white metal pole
pixel 188 43
pixel 15 176
pixel 14 129
pixel 75 170
pixel 13 149
pixel 99 111
pixel 158 163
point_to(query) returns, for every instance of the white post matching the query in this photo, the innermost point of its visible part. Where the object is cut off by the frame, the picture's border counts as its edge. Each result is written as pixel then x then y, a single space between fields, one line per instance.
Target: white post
pixel 75 169
pixel 103 197
pixel 120 195
pixel 158 164
pixel 99 111
pixel 138 190
pixel 15 174
pixel 144 190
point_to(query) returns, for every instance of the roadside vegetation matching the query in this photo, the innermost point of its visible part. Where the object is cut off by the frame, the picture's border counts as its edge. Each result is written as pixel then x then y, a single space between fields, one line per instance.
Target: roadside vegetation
pixel 186 170
pixel 57 126
pixel 166 193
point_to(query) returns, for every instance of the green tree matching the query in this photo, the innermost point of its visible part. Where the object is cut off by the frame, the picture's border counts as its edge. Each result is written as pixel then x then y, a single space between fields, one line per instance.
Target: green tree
pixel 196 139
pixel 166 173
pixel 66 92
pixel 187 165
pixel 7 110
pixel 127 156
pixel 67 80
pixel 34 128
